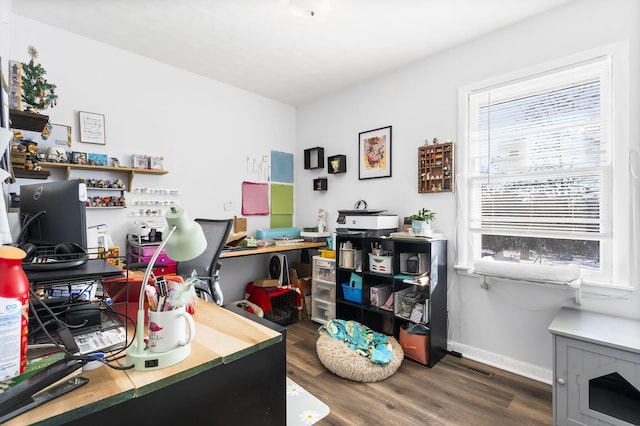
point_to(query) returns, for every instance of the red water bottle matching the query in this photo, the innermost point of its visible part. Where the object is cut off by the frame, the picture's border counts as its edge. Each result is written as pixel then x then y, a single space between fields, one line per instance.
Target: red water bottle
pixel 14 312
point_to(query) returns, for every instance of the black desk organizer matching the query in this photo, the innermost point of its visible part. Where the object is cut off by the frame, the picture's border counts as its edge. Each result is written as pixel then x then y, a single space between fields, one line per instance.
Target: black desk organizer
pixel 82 313
pixel 50 258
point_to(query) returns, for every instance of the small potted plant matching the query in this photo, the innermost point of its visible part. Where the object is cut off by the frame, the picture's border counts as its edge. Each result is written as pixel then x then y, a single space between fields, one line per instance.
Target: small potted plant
pixel 421 222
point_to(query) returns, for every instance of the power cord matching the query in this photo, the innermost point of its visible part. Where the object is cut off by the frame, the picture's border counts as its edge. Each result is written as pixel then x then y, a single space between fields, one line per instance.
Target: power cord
pixel 62 326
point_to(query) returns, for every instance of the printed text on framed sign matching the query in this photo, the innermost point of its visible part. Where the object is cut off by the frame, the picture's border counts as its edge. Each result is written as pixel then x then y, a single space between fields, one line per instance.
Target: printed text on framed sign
pixel 92 128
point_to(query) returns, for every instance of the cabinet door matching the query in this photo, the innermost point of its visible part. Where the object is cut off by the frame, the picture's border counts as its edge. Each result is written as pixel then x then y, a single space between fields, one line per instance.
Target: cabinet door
pixel 595 384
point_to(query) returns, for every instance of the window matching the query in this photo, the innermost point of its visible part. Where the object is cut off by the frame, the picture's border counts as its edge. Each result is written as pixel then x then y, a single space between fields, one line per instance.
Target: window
pixel 539 186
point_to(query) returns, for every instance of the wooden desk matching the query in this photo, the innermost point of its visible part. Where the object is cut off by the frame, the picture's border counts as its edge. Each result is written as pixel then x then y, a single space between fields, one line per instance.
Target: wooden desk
pixel 271 249
pixel 235 375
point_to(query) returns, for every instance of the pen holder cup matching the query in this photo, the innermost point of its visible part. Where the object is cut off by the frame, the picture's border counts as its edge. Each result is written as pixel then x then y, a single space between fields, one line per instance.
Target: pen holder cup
pixel 170 329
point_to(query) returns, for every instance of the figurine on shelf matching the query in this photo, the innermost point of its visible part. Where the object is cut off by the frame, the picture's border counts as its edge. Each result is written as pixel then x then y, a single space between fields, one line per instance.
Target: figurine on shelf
pixel 322 221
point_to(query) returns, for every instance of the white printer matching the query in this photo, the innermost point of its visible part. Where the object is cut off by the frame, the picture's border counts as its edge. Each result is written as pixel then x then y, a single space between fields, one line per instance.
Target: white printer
pixel 376 221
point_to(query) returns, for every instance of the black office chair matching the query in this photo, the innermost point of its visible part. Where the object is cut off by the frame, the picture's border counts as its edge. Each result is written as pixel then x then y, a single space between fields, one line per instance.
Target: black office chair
pixel 207 265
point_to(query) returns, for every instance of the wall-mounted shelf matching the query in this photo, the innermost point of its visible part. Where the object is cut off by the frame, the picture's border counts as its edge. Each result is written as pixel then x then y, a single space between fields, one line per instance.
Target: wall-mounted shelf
pixel 25 120
pixel 320 184
pixel 129 171
pixel 31 174
pixel 105 208
pixel 99 201
pixel 337 164
pixel 314 158
pixel 435 168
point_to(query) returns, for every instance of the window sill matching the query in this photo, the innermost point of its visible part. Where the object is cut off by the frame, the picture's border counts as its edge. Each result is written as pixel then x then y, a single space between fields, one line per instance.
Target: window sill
pixel 589 288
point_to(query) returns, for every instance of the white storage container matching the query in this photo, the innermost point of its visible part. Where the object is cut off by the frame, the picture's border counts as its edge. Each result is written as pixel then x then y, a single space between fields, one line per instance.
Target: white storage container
pixel 380 264
pixel 323 289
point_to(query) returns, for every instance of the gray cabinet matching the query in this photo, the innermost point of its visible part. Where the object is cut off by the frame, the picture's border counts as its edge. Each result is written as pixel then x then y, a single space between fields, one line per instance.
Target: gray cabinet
pixel 596 369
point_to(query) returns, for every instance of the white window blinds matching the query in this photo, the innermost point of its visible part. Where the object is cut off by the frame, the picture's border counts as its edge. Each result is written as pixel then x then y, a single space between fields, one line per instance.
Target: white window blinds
pixel 540 155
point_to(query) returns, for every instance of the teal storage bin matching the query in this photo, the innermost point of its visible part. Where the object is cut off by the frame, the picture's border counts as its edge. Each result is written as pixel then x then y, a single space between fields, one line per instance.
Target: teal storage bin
pixel 272 233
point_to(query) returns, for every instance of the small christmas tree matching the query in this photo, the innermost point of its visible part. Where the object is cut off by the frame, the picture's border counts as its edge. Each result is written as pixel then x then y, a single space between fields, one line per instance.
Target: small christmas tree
pixel 37 92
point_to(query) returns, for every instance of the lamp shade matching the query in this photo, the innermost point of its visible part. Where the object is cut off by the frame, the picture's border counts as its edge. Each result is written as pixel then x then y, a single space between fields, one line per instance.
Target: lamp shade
pixel 188 240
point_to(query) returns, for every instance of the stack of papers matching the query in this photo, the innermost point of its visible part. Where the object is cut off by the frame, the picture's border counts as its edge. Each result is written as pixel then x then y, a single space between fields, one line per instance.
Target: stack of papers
pixel 289 241
pixel 101 341
pixel 411 236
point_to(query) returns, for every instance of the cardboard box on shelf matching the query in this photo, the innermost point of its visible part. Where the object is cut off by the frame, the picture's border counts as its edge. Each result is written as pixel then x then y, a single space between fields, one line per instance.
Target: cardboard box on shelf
pixel 300 273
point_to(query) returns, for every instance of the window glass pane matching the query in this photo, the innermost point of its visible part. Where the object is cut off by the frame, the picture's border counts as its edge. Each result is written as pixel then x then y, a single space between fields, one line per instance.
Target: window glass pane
pixel 583 253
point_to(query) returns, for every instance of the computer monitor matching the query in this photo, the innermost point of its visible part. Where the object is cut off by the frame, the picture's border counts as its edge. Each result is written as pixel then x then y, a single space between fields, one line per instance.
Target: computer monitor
pixel 53 213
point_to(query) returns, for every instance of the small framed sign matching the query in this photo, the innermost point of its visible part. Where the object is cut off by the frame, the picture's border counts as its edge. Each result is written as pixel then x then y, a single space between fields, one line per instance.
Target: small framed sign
pixel 92 128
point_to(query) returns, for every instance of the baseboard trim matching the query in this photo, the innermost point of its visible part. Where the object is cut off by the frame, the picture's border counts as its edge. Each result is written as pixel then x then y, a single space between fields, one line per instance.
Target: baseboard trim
pixel 504 363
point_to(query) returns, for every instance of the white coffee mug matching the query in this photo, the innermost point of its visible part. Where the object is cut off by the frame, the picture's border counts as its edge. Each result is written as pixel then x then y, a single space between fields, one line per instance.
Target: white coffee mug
pixel 170 329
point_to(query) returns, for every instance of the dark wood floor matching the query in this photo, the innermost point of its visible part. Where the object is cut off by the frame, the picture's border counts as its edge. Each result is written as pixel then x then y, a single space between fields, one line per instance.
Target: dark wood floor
pixel 456 391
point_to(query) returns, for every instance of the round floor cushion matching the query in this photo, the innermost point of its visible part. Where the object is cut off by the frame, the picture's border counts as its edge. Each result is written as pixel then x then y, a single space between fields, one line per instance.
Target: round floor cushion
pixel 338 358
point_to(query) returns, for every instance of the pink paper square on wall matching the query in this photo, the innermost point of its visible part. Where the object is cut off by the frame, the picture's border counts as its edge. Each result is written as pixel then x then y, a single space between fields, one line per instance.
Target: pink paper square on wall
pixel 255 199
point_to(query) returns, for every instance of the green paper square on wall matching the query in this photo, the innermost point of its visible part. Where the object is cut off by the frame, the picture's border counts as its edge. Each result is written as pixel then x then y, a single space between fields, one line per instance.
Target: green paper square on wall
pixel 281 199
pixel 281 221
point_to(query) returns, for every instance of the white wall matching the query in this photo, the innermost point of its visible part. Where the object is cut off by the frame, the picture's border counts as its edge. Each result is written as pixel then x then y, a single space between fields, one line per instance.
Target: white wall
pixel 204 129
pixel 507 325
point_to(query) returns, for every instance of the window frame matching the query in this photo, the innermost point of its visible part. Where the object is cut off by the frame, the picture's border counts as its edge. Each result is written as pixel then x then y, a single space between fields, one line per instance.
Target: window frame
pixel 619 274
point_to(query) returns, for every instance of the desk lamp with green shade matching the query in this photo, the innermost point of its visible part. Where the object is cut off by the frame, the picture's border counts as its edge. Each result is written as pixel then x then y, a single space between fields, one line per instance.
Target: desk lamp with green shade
pixel 184 241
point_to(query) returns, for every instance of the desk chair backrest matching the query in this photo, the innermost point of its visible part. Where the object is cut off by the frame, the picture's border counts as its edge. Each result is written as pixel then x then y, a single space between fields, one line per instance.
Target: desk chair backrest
pixel 207 265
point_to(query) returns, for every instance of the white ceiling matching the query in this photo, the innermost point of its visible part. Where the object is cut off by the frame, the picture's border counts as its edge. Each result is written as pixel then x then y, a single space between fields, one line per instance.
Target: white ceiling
pixel 275 48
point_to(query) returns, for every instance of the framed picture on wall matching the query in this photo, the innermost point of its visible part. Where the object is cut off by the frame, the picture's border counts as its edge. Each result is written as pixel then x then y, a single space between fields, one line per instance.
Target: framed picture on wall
pixel 375 153
pixel 92 128
pixel 61 134
pixel 79 157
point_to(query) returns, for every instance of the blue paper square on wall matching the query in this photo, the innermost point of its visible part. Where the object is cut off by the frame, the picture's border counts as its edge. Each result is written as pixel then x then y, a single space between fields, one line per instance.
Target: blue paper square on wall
pixel 281 167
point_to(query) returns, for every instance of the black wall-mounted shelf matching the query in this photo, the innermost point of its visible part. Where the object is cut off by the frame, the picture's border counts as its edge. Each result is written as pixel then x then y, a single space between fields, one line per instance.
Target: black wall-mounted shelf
pixel 337 164
pixel 314 158
pixel 320 184
pixel 25 120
